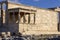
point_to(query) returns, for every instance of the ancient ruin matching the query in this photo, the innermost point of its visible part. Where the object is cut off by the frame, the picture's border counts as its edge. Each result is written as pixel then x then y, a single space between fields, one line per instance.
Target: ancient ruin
pixel 28 20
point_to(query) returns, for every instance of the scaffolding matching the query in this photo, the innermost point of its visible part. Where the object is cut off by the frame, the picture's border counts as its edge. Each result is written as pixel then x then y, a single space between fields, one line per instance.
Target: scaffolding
pixel 6 11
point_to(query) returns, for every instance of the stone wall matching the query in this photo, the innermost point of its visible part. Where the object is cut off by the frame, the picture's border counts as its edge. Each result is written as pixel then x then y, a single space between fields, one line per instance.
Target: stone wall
pixel 46 21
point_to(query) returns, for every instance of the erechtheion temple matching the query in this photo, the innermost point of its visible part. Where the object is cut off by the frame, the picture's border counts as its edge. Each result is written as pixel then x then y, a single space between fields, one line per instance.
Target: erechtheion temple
pixel 28 20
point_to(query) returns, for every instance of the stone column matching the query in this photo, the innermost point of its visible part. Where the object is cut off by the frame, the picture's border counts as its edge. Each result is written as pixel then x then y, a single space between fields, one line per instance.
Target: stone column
pixel 13 17
pixel 34 18
pixel 9 18
pixel 24 18
pixel 28 18
pixel 19 17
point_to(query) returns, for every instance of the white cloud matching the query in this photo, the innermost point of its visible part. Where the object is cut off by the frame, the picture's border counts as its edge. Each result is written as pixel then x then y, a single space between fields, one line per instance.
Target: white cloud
pixel 14 0
pixel 35 0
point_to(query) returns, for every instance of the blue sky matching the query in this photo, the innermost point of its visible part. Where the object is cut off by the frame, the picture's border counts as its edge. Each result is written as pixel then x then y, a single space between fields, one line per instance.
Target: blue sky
pixel 40 3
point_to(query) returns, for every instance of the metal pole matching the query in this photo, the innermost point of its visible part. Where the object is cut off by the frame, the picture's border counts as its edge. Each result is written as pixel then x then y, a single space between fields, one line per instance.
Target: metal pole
pixel 1 15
